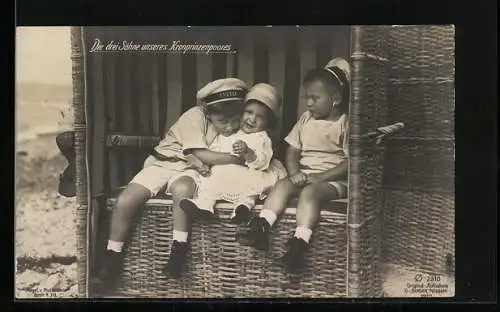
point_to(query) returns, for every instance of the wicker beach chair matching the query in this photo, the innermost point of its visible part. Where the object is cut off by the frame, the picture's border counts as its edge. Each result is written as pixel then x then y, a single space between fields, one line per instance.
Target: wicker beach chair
pixel 354 236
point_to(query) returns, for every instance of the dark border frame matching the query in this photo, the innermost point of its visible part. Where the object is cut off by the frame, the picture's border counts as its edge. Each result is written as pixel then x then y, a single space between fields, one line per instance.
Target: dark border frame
pixel 476 98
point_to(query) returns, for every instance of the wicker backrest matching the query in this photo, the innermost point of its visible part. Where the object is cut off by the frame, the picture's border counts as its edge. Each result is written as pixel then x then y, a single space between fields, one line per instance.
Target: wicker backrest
pixel 421 93
pixel 143 93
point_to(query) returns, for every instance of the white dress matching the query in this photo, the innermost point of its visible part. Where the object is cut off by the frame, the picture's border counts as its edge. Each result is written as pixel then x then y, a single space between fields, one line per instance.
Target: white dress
pixel 238 183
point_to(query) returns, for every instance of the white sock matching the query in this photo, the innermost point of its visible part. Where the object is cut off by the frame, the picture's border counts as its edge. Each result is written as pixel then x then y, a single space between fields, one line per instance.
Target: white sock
pixel 180 236
pixel 115 246
pixel 303 233
pixel 269 215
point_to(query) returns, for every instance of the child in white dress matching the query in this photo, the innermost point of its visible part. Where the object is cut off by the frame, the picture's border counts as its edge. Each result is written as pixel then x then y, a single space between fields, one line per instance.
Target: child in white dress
pixel 242 185
pixel 316 162
pixel 184 145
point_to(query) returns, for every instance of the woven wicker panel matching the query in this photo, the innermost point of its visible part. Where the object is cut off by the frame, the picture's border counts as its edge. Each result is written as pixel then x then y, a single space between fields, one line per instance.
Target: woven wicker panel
pixel 219 267
pixel 371 40
pixel 420 230
pixel 147 253
pixel 325 273
pixel 421 51
pixel 420 165
pixel 426 107
pixel 421 79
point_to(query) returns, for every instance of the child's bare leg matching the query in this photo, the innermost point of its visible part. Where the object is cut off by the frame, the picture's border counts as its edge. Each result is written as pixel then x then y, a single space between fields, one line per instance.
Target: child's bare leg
pixel 127 204
pixel 308 213
pixel 184 187
pixel 310 201
pixel 181 188
pixel 278 199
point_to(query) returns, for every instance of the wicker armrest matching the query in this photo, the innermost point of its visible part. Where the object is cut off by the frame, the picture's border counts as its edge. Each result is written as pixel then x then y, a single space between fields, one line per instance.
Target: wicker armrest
pixel 140 141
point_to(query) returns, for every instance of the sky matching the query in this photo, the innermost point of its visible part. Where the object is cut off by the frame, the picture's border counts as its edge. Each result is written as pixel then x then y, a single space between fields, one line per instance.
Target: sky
pixel 43 55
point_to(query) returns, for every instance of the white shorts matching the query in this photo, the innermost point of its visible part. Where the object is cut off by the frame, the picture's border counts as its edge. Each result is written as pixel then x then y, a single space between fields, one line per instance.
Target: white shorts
pixel 156 174
pixel 340 186
pixel 191 173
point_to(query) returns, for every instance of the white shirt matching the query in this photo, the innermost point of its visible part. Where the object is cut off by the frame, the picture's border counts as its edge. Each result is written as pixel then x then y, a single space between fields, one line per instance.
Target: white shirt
pixel 259 142
pixel 322 143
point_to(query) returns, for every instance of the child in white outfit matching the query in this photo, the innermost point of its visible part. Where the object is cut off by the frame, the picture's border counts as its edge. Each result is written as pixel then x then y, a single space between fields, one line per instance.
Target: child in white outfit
pixel 242 185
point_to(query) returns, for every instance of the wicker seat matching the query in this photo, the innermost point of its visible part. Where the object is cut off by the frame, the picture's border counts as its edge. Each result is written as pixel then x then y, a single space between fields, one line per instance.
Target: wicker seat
pixel 218 266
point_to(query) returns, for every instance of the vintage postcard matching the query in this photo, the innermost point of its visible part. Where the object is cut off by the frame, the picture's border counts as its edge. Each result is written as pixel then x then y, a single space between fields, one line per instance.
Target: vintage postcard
pixel 235 162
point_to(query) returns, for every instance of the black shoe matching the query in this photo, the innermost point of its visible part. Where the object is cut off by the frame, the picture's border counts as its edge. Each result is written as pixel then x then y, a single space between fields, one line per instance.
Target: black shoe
pixel 191 208
pixel 111 268
pixel 294 259
pixel 257 236
pixel 178 255
pixel 67 186
pixel 241 214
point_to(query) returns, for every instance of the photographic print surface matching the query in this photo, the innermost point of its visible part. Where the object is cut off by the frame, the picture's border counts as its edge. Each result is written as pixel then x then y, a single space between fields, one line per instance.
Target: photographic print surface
pixel 135 179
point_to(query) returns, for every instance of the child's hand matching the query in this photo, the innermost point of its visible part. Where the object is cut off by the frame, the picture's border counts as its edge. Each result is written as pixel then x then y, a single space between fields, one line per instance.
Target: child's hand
pixel 240 148
pixel 193 162
pixel 204 170
pixel 314 178
pixel 239 160
pixel 299 179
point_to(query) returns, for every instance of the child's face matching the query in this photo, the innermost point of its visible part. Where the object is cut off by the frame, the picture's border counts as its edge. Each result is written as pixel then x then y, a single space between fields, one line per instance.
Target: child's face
pixel 319 100
pixel 254 118
pixel 225 125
